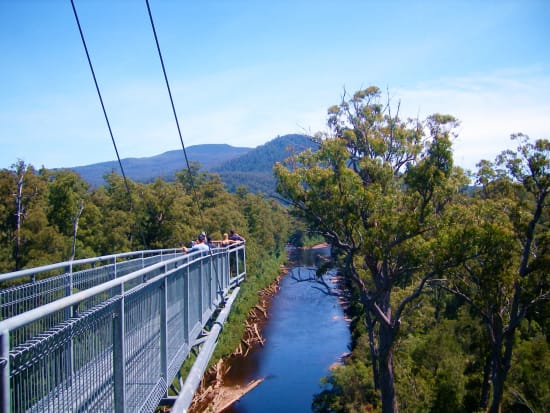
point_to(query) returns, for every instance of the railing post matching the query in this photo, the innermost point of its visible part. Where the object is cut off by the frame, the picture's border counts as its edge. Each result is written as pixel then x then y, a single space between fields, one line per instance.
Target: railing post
pixel 237 271
pixel 69 312
pixel 119 373
pixel 163 329
pixel 232 259
pixel 185 298
pixel 227 271
pixel 215 280
pixel 244 262
pixel 201 300
pixel 69 282
pixel 219 276
pixel 211 278
pixel 5 371
pixel 69 289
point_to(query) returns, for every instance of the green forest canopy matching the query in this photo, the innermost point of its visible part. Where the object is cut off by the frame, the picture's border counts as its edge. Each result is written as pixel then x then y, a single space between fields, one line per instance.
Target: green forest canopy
pixel 43 212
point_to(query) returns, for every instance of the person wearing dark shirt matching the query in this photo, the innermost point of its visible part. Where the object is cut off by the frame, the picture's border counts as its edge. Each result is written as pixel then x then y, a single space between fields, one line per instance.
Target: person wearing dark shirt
pixel 233 236
pixel 210 243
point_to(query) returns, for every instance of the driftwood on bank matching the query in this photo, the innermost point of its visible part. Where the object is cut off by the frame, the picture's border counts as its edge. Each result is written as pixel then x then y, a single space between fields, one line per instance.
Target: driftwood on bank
pixel 228 395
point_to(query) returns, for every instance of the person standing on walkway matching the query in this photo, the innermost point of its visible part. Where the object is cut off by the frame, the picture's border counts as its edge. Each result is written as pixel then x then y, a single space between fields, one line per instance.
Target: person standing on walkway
pixel 233 236
pixel 200 245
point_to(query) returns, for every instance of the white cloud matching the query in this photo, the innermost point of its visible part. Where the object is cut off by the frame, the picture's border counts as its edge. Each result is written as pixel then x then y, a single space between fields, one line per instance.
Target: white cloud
pixel 490 108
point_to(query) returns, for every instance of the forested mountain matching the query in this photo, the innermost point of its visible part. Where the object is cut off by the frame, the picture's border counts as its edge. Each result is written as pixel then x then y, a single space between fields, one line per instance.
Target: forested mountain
pixel 264 157
pixel 255 168
pixel 235 165
pixel 162 166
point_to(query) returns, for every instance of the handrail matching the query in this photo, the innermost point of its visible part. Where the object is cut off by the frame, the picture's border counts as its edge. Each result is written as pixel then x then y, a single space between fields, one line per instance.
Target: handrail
pixel 33 287
pixel 45 268
pixel 142 324
pixel 35 314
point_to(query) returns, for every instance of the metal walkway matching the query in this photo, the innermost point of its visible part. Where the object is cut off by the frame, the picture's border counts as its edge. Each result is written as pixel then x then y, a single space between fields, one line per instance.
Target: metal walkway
pixel 109 334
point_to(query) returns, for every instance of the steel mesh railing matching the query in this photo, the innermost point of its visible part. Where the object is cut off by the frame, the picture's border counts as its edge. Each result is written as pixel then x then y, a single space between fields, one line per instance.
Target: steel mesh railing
pixel 29 290
pixel 117 345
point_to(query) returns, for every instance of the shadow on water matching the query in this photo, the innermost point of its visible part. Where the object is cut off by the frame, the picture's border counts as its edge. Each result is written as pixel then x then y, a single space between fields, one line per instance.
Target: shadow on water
pixel 305 334
pixel 309 257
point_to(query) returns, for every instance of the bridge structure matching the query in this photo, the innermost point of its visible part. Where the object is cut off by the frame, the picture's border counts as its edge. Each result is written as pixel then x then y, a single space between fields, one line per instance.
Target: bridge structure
pixel 110 334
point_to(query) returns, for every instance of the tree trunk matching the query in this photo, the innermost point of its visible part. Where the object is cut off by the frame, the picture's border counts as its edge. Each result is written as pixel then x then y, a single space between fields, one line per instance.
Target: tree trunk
pixel 498 386
pixel 385 367
pixel 369 323
pixel 502 363
pixel 75 228
pixel 486 386
pixel 502 357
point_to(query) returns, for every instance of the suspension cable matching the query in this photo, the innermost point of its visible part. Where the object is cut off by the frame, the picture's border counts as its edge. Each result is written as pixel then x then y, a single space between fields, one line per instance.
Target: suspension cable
pixel 105 115
pixel 99 94
pixel 194 191
pixel 191 181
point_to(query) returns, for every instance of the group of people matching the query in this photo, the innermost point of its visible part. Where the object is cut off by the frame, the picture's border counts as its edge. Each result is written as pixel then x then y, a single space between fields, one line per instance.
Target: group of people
pixel 204 243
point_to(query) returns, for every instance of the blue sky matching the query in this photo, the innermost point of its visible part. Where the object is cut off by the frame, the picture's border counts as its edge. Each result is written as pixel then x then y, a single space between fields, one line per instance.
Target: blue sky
pixel 243 72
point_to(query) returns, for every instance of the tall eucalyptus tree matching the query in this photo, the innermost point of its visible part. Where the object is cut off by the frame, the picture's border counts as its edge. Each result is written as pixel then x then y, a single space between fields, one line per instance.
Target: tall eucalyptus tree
pixel 377 190
pixel 504 242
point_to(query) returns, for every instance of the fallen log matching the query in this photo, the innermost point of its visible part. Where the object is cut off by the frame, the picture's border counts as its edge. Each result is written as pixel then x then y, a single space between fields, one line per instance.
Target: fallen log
pixel 229 395
pixel 259 337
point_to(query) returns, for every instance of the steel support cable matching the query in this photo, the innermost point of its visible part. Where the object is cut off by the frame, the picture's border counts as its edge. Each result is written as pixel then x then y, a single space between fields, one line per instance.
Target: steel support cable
pixel 193 189
pixel 105 115
pixel 195 196
pixel 99 94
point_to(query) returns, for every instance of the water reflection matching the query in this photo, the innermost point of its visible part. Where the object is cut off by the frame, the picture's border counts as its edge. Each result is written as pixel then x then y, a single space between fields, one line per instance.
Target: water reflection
pixel 305 334
pixel 309 257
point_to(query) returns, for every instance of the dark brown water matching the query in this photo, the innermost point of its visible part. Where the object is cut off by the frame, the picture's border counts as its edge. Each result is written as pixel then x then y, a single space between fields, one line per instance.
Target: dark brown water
pixel 305 334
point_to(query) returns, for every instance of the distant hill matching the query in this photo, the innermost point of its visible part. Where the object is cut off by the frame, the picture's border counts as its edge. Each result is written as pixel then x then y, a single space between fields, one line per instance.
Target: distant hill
pixel 251 167
pixel 255 168
pixel 162 166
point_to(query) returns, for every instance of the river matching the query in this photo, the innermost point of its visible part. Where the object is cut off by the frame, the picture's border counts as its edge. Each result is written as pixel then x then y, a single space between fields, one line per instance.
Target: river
pixel 305 333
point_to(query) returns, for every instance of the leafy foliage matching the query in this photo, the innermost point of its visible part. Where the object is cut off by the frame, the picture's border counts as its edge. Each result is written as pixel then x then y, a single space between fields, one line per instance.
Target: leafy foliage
pixel 411 236
pixel 377 191
pixel 58 209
